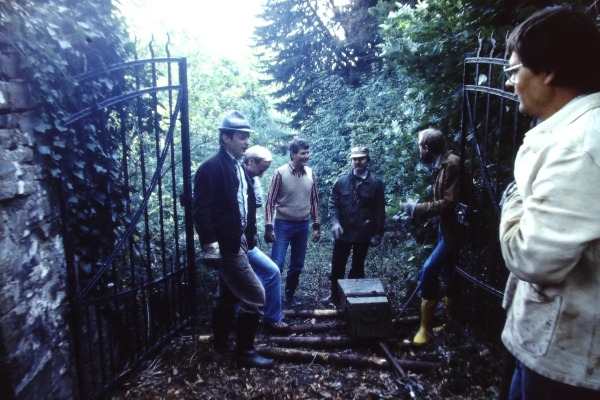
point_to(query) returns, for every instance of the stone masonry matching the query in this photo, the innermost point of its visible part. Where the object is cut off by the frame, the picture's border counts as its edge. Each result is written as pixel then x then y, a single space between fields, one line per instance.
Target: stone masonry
pixel 36 352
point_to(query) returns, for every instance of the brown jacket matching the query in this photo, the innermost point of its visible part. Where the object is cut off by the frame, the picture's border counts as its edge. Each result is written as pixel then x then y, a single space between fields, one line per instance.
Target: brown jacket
pixel 445 197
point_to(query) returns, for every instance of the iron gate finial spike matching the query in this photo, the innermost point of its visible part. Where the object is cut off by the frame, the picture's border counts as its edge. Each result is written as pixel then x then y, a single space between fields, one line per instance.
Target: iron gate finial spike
pixel 493 44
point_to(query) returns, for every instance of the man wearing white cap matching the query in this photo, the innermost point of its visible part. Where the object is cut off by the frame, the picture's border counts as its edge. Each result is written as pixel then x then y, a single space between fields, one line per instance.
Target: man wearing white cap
pixel 357 212
pixel 256 161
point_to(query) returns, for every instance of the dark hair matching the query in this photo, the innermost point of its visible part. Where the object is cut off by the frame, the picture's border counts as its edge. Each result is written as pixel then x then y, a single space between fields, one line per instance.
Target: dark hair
pixel 560 40
pixel 433 139
pixel 227 132
pixel 296 144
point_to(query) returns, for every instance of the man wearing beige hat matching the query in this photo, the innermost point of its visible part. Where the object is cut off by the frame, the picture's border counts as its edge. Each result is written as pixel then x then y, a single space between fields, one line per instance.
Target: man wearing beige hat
pixel 225 219
pixel 357 213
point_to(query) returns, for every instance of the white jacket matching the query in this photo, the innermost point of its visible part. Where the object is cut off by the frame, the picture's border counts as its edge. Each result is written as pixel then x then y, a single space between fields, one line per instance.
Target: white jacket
pixel 550 239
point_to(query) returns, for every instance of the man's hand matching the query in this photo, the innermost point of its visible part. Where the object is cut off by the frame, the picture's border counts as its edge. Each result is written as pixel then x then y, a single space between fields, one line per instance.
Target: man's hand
pixel 212 256
pixel 269 234
pixel 316 236
pixel 409 206
pixel 337 230
pixel 375 241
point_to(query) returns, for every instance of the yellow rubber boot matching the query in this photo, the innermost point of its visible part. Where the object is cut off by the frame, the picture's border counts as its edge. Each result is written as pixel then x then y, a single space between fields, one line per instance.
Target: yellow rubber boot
pixel 448 305
pixel 427 309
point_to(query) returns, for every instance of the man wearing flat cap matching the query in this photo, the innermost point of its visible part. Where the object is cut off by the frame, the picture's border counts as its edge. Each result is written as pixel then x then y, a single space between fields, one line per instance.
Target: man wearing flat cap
pixel 225 219
pixel 357 213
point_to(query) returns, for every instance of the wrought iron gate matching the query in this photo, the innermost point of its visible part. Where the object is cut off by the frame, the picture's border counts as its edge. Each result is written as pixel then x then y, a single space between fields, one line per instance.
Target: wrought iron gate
pixel 138 292
pixel 492 131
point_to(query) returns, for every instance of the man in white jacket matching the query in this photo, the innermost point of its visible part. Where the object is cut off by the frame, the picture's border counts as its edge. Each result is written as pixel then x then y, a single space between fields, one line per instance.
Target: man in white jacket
pixel 550 224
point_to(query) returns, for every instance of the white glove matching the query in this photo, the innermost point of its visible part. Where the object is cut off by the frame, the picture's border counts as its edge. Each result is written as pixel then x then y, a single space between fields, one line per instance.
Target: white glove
pixel 212 250
pixel 409 206
pixel 337 230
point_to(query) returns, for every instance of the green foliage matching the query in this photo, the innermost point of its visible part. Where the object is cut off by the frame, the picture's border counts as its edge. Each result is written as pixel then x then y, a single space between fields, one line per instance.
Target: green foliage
pixel 302 44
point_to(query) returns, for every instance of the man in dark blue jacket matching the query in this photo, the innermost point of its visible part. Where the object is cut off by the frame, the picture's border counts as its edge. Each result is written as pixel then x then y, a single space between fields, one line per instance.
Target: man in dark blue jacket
pixel 357 212
pixel 225 219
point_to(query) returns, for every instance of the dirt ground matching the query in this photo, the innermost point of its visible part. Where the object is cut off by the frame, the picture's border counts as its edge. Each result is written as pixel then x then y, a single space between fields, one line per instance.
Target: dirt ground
pixel 188 367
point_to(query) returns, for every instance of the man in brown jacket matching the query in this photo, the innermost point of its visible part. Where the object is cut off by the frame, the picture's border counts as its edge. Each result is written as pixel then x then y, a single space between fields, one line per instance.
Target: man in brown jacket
pixel 446 172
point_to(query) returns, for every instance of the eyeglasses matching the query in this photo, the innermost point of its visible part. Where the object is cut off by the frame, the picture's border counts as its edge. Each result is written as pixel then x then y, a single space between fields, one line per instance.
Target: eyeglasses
pixel 510 72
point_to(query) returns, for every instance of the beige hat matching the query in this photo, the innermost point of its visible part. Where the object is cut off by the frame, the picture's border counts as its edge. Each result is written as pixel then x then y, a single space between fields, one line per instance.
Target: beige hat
pixel 357 152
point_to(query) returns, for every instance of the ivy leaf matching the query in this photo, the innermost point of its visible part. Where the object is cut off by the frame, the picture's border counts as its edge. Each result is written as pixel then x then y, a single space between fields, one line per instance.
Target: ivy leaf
pixel 42 126
pixel 44 149
pixel 64 44
pixel 99 168
pixel 73 199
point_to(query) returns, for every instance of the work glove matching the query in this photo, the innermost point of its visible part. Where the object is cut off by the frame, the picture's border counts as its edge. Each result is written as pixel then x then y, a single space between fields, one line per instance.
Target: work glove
pixel 375 241
pixel 337 230
pixel 409 206
pixel 316 235
pixel 212 256
pixel 269 234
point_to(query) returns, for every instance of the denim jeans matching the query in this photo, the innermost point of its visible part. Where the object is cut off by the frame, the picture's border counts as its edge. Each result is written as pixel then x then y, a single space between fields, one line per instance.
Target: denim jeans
pixel 270 277
pixel 295 235
pixel 529 385
pixel 439 262
pixel 341 252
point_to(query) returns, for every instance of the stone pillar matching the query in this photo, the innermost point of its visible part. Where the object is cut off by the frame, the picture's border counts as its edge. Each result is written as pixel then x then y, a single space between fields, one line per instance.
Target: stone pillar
pixel 36 355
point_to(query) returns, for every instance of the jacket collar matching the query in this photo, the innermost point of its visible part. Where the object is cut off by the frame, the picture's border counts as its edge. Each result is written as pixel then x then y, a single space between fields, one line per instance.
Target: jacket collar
pixel 542 134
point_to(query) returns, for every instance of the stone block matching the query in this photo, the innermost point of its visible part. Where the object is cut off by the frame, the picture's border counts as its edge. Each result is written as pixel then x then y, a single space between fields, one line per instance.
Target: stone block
pixel 15 96
pixel 8 189
pixel 8 64
pixel 9 121
pixel 9 138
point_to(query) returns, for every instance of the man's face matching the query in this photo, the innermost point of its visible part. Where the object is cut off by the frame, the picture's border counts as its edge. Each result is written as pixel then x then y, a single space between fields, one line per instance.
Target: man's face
pixel 360 164
pixel 426 156
pixel 237 144
pixel 533 90
pixel 300 159
pixel 257 168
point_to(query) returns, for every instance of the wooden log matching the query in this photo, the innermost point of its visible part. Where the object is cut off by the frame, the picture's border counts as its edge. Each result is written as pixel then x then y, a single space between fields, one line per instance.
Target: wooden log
pixel 324 327
pixel 312 313
pixel 301 356
pixel 407 320
pixel 354 360
pixel 328 341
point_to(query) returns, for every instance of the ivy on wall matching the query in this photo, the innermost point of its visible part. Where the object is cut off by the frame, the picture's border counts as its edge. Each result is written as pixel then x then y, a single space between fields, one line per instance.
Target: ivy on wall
pixel 57 40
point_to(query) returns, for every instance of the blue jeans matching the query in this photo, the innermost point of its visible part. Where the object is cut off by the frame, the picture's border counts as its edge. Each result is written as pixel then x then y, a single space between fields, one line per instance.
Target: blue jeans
pixel 439 262
pixel 529 385
pixel 270 277
pixel 295 235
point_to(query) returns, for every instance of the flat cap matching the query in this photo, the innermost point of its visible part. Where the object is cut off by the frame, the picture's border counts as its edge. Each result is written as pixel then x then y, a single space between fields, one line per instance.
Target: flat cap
pixel 357 152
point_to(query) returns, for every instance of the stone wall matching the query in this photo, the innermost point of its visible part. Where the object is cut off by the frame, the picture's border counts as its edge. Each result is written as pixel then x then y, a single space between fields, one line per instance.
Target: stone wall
pixel 36 360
